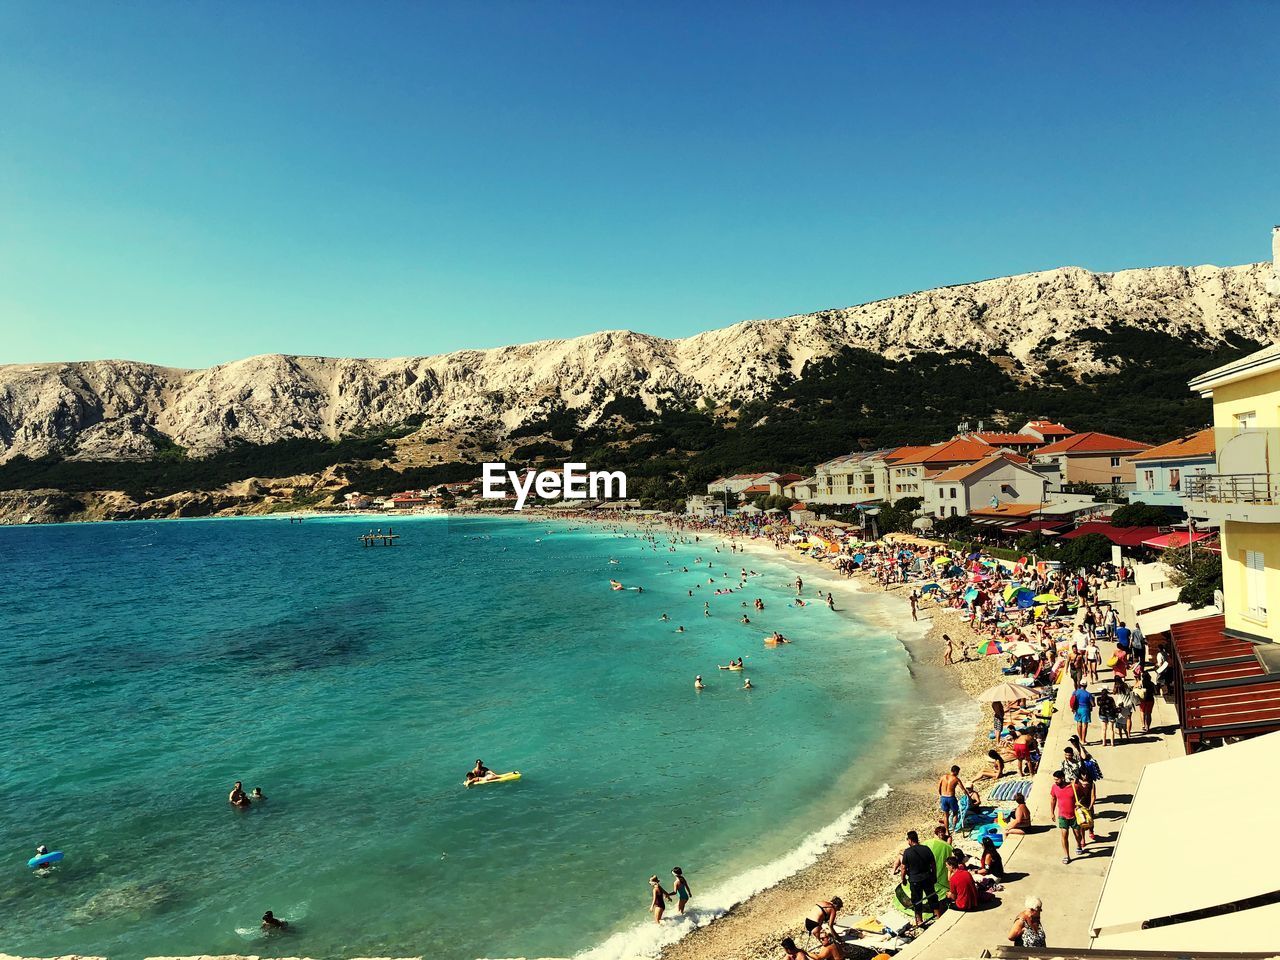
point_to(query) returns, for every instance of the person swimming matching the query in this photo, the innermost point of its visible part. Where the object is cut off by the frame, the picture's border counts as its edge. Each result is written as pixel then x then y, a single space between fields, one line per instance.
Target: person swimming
pixel 480 772
pixel 237 797
pixel 257 794
pixel 746 684
pixel 272 924
pixel 698 684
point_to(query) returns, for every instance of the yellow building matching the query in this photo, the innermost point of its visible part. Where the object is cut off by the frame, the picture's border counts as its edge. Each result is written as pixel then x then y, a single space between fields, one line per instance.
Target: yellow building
pixel 1243 496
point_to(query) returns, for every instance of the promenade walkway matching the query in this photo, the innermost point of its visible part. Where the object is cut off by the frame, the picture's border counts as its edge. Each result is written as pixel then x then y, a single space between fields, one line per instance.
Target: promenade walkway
pixel 1070 891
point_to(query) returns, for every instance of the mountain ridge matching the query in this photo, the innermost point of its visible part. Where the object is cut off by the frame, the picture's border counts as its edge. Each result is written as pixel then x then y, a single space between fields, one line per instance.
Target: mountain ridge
pixel 1041 322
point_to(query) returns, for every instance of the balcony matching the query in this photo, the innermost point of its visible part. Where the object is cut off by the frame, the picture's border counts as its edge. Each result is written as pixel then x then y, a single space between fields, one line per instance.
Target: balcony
pixel 1247 497
pixel 1234 488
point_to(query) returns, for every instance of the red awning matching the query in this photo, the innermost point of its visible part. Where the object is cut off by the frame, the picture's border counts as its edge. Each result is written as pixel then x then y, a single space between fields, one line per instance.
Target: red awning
pixel 1124 536
pixel 1224 689
pixel 1176 539
pixel 1049 527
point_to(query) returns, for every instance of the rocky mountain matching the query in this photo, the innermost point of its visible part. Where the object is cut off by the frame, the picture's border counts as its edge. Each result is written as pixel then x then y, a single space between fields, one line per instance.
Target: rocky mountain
pixel 1034 323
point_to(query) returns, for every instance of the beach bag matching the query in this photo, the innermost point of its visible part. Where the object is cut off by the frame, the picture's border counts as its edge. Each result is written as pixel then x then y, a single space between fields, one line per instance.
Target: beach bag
pixel 1084 818
pixel 1095 771
pixel 1112 661
pixel 1075 704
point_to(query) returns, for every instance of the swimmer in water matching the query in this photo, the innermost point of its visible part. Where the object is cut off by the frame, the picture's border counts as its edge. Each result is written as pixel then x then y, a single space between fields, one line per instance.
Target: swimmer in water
pixel 257 794
pixel 746 684
pixel 664 618
pixel 480 772
pixel 745 618
pixel 271 923
pixel 237 797
pixel 679 629
pixel 698 684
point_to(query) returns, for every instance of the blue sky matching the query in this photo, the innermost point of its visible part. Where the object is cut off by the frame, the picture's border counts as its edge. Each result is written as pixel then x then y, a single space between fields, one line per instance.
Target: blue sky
pixel 189 183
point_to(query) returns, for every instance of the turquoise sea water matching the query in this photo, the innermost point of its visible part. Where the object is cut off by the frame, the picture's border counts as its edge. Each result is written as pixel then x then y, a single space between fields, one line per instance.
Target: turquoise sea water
pixel 147 666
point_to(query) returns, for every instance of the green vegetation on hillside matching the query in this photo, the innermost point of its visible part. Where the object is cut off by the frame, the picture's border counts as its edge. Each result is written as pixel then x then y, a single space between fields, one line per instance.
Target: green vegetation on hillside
pixel 854 400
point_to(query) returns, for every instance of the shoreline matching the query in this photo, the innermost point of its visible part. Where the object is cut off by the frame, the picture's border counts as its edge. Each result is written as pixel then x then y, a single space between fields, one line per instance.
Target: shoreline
pixel 857 865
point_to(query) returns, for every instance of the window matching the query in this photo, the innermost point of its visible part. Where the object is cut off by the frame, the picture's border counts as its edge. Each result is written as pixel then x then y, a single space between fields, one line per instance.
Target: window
pixel 1116 481
pixel 1246 421
pixel 1115 461
pixel 953 493
pixel 1149 479
pixel 953 511
pixel 1175 479
pixel 1255 585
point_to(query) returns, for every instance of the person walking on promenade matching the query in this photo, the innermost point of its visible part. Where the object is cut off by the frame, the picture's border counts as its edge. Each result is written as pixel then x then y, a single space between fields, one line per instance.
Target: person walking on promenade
pixel 1082 707
pixel 1063 799
pixel 1147 702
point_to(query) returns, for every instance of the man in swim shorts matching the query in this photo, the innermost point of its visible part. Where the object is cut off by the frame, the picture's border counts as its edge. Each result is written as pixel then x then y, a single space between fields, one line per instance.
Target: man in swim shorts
pixel 948 784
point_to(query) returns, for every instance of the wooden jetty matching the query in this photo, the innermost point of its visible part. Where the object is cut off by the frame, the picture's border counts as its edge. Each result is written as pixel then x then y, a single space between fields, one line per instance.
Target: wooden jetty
pixel 371 539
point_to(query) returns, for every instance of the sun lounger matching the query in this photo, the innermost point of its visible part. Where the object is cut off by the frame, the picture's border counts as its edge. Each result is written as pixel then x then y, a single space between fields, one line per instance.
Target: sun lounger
pixel 1003 791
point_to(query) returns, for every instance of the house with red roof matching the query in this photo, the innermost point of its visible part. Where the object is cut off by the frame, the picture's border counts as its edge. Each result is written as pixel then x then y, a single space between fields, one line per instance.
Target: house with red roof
pixel 1098 458
pixel 909 467
pixel 739 482
pixel 1046 430
pixel 999 478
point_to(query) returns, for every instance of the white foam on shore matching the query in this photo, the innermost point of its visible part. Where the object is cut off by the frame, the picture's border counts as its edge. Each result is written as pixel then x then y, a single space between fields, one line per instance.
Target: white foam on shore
pixel 646 940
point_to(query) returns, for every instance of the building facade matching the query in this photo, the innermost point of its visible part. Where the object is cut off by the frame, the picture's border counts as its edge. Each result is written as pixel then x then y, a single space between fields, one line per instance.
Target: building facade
pixel 1242 495
pixel 1160 474
pixel 994 480
pixel 1097 458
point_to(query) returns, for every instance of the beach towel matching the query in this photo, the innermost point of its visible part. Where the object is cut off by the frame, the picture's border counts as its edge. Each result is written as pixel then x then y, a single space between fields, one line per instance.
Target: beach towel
pixel 1005 789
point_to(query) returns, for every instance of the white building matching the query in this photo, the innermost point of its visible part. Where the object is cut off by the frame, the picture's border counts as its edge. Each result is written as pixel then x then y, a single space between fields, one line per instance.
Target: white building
pixel 999 478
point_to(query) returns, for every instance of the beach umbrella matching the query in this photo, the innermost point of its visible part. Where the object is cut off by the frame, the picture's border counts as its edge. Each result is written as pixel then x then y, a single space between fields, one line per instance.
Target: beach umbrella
pixel 1004 692
pixel 941 562
pixel 971 593
pixel 1023 649
pixel 989 647
pixel 1048 598
pixel 1010 590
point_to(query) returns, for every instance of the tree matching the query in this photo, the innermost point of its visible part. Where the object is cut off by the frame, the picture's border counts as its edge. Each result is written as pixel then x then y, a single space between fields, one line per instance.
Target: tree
pixel 1091 550
pixel 1140 515
pixel 1197 572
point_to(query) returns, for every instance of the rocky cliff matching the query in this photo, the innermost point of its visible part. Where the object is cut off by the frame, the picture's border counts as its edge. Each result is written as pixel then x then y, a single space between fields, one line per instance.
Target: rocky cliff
pixel 109 409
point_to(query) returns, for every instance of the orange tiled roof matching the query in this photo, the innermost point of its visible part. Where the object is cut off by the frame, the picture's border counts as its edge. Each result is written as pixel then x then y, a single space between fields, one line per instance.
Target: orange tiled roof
pixel 953 451
pixel 960 471
pixel 1050 429
pixel 1094 443
pixel 1196 445
pixel 757 488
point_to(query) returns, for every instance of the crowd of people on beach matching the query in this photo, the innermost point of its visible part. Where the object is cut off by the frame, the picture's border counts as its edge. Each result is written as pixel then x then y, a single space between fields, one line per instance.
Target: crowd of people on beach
pixel 1046 626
